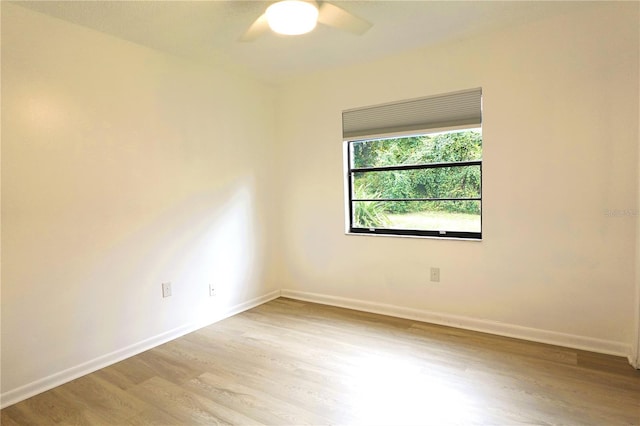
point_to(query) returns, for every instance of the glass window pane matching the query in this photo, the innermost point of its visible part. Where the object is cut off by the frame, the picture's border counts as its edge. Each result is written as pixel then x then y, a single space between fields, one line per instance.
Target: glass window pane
pixel 460 216
pixel 445 182
pixel 465 145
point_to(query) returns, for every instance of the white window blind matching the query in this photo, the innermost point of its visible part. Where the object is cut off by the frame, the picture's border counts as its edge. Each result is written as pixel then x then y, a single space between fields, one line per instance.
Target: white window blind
pixel 448 110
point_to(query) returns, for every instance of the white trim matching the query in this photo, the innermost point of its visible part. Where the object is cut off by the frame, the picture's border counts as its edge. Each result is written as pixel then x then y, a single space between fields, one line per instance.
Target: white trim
pixel 467 323
pixel 634 360
pixel 424 237
pixel 41 385
pixel 634 354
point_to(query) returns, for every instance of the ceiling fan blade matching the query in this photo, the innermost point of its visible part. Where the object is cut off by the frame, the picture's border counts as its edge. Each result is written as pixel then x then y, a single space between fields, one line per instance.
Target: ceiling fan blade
pixel 334 16
pixel 256 29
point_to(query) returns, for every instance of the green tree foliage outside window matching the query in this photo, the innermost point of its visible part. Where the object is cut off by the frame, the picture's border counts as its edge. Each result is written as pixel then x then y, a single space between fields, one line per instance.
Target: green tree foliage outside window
pixel 444 182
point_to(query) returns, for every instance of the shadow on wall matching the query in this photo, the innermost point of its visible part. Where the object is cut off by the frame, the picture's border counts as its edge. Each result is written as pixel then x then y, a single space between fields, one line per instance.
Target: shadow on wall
pixel 114 307
pixel 209 237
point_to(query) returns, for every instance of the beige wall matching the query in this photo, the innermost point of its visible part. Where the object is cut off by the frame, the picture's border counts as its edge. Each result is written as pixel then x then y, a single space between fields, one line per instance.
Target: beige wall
pixel 560 153
pixel 122 168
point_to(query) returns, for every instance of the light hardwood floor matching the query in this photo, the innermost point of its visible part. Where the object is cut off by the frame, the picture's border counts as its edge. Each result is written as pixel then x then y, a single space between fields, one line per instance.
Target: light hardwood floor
pixel 289 363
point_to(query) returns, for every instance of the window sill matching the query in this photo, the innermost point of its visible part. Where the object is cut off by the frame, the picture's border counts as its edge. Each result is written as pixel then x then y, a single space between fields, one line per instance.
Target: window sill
pixel 427 237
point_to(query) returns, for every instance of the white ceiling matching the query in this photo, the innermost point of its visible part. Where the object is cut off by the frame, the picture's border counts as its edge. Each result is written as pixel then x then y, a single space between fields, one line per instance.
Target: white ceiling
pixel 209 30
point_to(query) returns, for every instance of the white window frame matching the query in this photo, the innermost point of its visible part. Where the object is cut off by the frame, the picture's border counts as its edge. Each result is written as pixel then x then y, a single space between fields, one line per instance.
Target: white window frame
pixel 453 111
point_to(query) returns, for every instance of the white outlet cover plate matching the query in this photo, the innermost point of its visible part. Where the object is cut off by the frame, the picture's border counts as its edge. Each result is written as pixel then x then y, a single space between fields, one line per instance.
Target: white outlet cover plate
pixel 166 289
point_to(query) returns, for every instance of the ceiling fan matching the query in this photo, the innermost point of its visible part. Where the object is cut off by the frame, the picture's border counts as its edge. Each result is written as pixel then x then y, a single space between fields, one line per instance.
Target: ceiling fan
pixel 294 17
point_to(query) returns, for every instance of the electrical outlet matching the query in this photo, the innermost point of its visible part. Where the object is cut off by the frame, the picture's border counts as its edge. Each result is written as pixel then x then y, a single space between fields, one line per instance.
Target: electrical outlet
pixel 435 275
pixel 166 289
pixel 212 290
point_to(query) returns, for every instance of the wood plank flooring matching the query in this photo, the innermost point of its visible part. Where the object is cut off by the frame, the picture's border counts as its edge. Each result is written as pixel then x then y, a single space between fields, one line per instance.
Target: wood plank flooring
pixel 291 363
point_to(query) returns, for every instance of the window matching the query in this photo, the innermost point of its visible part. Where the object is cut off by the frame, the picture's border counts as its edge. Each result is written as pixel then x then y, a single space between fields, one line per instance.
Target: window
pixel 425 184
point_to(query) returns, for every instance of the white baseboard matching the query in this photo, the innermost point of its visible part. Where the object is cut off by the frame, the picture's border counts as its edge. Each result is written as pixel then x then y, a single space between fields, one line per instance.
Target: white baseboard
pixel 467 323
pixel 41 385
pixel 543 336
pixel 634 356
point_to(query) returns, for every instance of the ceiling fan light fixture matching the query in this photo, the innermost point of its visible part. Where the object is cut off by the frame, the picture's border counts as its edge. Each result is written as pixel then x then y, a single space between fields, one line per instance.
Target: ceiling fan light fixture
pixel 292 17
